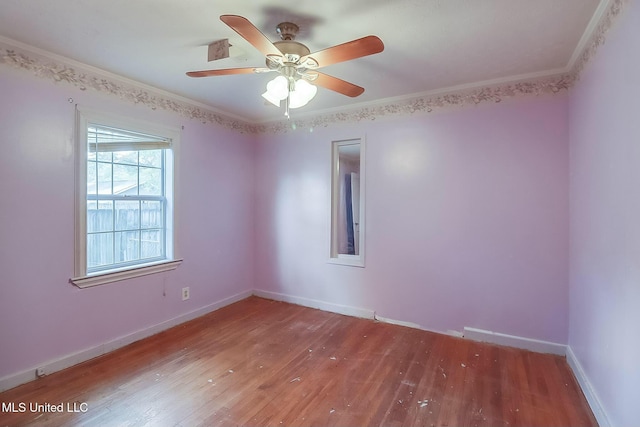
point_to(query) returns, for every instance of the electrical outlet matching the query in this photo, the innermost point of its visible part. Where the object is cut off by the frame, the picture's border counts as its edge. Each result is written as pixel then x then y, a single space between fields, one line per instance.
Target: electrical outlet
pixel 185 293
pixel 40 372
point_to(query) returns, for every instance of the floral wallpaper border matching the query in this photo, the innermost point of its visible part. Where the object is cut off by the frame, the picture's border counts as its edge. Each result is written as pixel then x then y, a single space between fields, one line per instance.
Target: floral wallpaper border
pixel 61 72
pixel 550 85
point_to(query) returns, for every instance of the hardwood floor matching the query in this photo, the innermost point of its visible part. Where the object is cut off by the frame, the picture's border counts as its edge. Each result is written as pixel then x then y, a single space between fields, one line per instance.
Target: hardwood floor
pixel 265 363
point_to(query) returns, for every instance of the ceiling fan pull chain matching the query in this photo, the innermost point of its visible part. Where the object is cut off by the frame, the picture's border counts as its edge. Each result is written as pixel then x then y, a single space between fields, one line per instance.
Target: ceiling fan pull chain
pixel 286 106
pixel 291 86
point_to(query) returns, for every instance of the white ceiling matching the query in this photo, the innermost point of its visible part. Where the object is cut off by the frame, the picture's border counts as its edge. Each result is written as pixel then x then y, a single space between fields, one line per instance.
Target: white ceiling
pixel 430 45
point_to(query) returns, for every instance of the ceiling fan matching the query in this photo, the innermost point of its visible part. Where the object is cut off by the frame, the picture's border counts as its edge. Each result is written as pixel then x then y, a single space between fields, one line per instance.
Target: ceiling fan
pixel 295 64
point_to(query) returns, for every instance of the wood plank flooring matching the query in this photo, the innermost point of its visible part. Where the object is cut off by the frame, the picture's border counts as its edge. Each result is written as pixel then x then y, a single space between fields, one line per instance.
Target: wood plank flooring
pixel 266 363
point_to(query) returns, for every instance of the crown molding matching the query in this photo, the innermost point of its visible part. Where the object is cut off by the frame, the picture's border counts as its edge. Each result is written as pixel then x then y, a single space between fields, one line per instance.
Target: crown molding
pixel 609 13
pixel 430 94
pixel 426 104
pixel 60 69
pixel 64 70
pixel 589 31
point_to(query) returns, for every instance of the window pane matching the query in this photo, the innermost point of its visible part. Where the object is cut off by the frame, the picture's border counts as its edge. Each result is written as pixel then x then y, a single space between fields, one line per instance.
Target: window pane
pixel 99 249
pixel 127 246
pixel 151 158
pixel 125 179
pixel 104 178
pixel 152 216
pixel 126 157
pixel 91 178
pixel 150 181
pixel 105 157
pixel 127 215
pixel 92 215
pixel 99 216
pixel 152 244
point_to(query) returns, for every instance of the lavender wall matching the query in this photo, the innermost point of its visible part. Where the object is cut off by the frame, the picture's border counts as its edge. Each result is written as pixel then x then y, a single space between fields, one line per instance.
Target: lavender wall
pixel 466 218
pixel 468 222
pixel 605 221
pixel 42 316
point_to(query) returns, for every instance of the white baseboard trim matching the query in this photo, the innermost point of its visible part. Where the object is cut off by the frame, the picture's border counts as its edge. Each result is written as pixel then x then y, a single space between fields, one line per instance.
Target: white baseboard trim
pixel 397 322
pixel 587 389
pixel 69 360
pixel 414 326
pixel 312 303
pixel 514 341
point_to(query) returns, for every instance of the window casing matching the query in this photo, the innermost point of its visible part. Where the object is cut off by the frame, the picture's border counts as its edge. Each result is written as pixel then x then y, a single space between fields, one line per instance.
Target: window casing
pixel 125 203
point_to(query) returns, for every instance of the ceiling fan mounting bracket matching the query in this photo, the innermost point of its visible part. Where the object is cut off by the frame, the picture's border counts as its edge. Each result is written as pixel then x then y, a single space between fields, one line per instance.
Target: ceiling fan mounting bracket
pixel 287 30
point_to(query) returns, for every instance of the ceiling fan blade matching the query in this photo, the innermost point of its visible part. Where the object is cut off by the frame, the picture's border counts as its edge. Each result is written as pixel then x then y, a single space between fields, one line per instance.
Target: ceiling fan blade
pixel 226 72
pixel 250 33
pixel 344 52
pixel 337 85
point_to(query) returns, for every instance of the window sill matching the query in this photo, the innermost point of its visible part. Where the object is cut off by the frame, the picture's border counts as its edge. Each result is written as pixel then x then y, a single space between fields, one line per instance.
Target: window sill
pixel 350 260
pixel 115 276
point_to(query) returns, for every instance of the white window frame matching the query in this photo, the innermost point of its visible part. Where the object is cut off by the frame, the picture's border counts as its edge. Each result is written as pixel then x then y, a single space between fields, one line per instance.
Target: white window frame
pixel 84 118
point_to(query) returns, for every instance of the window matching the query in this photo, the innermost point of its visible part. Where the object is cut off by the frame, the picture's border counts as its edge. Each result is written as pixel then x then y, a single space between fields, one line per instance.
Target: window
pixel 125 199
pixel 347 202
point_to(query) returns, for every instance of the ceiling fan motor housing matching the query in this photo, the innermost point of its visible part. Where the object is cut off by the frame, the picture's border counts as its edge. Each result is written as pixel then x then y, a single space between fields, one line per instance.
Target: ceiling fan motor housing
pixel 291 49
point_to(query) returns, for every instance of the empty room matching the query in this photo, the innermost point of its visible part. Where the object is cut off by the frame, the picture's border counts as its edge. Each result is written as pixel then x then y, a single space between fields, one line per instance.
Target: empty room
pixel 350 213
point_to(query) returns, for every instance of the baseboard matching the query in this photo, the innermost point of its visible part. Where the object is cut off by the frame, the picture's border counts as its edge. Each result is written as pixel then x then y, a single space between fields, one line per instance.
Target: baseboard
pixel 69 360
pixel 587 389
pixel 514 341
pixel 397 322
pixel 414 326
pixel 312 303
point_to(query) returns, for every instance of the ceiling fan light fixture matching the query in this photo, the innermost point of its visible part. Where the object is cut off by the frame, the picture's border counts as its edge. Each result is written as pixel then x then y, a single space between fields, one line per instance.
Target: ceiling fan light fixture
pixel 278 88
pixel 269 97
pixel 302 94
